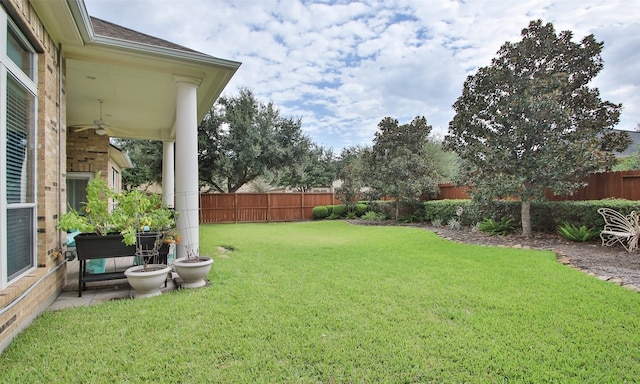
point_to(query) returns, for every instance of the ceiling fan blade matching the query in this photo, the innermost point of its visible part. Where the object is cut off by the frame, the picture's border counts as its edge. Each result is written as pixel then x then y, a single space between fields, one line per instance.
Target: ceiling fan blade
pixel 101 124
pixel 83 128
pixel 117 131
pixel 97 124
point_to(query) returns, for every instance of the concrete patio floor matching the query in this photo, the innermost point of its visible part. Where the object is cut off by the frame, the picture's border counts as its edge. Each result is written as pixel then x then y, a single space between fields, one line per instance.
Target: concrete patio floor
pixel 99 291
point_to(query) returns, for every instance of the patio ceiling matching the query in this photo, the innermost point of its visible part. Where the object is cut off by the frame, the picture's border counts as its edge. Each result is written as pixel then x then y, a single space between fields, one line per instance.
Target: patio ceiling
pixel 135 79
pixel 137 103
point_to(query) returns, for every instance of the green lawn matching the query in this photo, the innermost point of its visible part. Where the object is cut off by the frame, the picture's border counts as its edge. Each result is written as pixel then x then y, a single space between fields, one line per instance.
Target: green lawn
pixel 329 302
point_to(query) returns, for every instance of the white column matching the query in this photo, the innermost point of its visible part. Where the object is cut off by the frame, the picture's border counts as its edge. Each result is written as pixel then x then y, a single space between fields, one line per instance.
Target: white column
pixel 186 171
pixel 168 173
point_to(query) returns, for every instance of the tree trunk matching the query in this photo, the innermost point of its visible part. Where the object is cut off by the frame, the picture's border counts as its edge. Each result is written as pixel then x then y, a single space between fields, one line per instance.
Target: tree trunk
pixel 525 212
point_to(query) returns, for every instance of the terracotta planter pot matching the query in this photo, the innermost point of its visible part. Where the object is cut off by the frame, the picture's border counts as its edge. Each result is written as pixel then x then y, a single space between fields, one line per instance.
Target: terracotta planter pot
pixel 192 273
pixel 147 283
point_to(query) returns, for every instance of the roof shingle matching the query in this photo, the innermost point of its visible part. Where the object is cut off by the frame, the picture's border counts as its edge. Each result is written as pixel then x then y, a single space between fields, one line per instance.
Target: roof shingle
pixel 107 29
pixel 635 144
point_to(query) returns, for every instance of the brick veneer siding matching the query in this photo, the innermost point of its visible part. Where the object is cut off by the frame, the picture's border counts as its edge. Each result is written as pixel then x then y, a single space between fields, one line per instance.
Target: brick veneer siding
pixel 88 152
pixel 51 161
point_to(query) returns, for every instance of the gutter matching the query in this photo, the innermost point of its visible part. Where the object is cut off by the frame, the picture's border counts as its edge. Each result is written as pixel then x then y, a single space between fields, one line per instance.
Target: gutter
pixel 83 21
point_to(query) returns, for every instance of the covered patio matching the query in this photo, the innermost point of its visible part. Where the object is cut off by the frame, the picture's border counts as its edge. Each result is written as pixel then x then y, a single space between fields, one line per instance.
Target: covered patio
pixel 122 83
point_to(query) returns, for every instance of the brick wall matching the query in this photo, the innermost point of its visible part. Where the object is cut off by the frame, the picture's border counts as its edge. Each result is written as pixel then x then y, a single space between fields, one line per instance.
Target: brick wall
pixel 87 152
pixel 51 136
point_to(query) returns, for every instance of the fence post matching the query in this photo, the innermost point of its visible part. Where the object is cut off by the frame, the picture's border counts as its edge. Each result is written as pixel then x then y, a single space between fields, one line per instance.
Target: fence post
pixel 268 207
pixel 235 207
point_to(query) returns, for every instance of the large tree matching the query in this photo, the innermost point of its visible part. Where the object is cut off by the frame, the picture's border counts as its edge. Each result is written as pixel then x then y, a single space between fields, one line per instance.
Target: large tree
pixel 350 172
pixel 398 164
pixel 146 156
pixel 631 162
pixel 313 168
pixel 447 162
pixel 243 138
pixel 530 120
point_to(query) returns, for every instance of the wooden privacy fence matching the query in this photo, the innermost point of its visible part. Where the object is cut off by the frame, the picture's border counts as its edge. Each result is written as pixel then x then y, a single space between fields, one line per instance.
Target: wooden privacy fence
pixel 620 185
pixel 260 207
pixel 451 191
pixel 266 207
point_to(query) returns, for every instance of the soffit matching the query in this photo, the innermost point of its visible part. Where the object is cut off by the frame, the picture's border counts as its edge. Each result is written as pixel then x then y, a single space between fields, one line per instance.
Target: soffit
pixel 135 80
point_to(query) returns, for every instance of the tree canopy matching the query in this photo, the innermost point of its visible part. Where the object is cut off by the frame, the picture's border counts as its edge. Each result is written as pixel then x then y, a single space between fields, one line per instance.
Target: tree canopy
pixel 146 156
pixel 398 164
pixel 313 168
pixel 243 138
pixel 530 120
pixel 630 163
pixel 351 172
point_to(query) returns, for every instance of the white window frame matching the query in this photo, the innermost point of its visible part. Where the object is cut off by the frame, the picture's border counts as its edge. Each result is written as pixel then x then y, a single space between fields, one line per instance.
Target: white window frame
pixel 115 180
pixel 88 176
pixel 30 83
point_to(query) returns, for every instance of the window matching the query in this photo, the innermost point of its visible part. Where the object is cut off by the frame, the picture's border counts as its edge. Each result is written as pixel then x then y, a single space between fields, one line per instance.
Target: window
pixel 18 85
pixel 20 53
pixel 115 180
pixel 77 189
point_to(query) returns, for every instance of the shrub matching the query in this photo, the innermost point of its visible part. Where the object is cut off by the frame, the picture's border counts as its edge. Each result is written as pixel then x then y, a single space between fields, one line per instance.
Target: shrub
pixel 330 209
pixel 339 211
pixel 577 233
pixel 413 213
pixel 360 209
pixel 444 210
pixel 545 216
pixel 373 216
pixel 454 223
pixel 384 207
pixel 549 216
pixel 320 212
pixel 500 228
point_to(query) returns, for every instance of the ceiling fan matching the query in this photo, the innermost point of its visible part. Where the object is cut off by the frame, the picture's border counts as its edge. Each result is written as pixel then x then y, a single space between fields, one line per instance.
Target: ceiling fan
pixel 100 126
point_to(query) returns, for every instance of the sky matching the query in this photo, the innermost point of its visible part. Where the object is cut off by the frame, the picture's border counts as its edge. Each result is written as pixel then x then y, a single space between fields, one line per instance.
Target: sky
pixel 342 66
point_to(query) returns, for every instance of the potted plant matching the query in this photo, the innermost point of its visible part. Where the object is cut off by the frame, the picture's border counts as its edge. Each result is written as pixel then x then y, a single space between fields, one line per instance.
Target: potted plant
pixel 147 278
pixel 96 236
pixel 193 268
pixel 137 223
pixel 136 212
pixel 95 217
pixel 143 220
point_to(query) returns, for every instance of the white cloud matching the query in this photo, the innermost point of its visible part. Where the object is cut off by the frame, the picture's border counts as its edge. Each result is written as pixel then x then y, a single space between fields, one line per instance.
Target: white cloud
pixel 342 66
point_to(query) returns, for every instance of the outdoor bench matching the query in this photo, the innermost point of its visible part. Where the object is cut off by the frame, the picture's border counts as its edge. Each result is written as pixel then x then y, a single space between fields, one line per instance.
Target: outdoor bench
pixel 619 228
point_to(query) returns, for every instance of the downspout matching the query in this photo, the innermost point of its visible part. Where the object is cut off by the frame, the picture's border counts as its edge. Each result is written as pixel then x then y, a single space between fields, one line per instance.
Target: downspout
pixel 59 57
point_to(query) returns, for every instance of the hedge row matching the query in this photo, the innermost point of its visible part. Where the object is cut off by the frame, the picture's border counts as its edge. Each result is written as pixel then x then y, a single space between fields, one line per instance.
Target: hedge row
pixel 545 216
pixel 338 211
